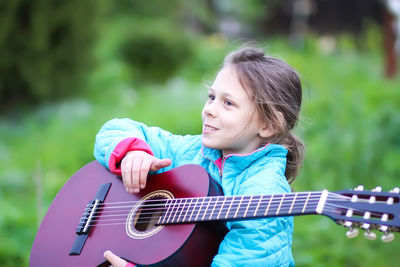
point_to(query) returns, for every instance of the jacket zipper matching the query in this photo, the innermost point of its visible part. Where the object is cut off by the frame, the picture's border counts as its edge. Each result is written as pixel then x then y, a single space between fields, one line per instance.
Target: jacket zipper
pixel 222 166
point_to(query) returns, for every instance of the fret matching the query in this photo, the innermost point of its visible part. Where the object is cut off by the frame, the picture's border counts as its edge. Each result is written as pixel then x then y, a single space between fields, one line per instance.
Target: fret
pixel 194 207
pixel 227 213
pixel 198 212
pixel 188 209
pixel 238 207
pixel 205 210
pixel 248 205
pixel 245 206
pixel 305 203
pixel 215 205
pixel 171 207
pixel 168 206
pixel 274 205
pixel 175 211
pixel 182 209
pixel 221 208
pixel 269 203
pixel 179 209
pixel 258 205
pixel 291 206
pixel 280 204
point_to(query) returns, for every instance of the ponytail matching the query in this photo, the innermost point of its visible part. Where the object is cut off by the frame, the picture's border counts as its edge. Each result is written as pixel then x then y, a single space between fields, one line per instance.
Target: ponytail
pixel 294 157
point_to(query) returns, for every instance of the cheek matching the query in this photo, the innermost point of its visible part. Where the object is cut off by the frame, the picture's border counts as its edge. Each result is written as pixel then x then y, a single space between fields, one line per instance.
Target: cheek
pixel 238 124
pixel 203 115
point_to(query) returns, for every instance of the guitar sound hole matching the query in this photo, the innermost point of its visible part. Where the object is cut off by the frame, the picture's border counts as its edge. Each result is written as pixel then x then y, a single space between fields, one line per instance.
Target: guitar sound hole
pixel 148 214
pixel 143 217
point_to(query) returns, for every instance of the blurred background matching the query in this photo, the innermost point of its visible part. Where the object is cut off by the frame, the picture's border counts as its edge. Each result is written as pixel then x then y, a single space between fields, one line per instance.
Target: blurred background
pixel 68 66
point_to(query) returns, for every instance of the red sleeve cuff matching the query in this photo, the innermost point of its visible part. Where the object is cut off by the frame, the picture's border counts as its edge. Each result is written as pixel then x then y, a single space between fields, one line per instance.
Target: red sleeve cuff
pixel 123 147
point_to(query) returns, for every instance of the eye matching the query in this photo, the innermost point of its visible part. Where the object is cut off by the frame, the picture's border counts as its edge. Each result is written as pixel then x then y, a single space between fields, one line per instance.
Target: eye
pixel 211 97
pixel 228 102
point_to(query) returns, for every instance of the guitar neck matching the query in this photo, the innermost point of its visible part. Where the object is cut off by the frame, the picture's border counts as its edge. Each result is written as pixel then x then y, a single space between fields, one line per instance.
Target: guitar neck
pixel 187 210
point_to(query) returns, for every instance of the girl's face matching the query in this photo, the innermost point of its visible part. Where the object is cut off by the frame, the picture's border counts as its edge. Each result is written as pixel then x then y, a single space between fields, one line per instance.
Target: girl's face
pixel 230 120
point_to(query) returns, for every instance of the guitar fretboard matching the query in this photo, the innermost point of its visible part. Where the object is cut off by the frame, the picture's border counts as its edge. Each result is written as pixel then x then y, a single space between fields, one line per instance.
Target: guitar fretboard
pixel 186 210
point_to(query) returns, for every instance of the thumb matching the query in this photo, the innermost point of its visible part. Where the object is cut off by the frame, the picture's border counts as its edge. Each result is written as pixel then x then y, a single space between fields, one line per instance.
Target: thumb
pixel 114 259
pixel 159 164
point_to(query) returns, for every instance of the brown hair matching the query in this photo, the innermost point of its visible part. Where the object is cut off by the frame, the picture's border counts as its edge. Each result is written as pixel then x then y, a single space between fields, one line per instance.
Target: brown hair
pixel 276 89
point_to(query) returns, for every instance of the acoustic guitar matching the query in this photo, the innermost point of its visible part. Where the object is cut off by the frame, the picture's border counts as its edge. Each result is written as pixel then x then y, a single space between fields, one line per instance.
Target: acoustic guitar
pixel 178 219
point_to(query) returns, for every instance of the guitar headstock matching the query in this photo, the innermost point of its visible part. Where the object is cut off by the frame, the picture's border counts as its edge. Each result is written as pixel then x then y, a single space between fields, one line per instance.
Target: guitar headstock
pixel 367 210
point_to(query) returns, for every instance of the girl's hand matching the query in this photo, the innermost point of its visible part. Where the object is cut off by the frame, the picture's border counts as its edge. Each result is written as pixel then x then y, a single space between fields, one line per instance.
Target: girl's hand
pixel 115 260
pixel 135 167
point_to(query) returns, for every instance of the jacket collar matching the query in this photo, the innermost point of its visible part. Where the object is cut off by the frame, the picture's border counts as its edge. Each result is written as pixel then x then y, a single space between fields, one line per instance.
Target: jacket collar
pixel 239 162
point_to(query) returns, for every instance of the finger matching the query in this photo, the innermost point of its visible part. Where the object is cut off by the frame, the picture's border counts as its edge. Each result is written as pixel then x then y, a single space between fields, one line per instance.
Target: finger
pixel 144 172
pixel 159 164
pixel 114 259
pixel 136 167
pixel 126 171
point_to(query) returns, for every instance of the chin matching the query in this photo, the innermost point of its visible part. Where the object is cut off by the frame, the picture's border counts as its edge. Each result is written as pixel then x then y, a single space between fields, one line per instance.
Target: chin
pixel 208 144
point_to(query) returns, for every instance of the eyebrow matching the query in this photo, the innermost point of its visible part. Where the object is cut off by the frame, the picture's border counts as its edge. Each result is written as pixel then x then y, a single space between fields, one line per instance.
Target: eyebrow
pixel 225 94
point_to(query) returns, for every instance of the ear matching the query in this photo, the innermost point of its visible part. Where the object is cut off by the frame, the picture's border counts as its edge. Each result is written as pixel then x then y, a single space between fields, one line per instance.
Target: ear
pixel 265 131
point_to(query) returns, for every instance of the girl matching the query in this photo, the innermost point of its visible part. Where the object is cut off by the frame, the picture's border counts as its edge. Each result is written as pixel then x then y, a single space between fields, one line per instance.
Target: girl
pixel 246 145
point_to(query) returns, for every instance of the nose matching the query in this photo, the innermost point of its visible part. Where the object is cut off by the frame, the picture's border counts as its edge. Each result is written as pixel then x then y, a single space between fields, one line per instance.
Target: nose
pixel 210 109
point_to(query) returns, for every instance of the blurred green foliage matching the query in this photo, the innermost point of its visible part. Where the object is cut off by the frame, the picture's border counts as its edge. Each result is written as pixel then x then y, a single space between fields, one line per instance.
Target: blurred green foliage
pixel 350 120
pixel 154 51
pixel 46 52
pixel 48 45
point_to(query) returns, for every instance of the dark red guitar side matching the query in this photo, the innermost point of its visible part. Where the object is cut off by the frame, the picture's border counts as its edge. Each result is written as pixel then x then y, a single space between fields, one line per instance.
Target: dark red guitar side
pixel 174 245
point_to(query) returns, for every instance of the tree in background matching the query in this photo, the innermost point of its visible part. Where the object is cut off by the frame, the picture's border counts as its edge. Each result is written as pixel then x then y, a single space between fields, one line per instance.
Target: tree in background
pixel 45 48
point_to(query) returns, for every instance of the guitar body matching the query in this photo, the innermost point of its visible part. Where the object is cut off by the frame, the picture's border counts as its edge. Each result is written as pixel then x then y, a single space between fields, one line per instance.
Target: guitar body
pixel 191 244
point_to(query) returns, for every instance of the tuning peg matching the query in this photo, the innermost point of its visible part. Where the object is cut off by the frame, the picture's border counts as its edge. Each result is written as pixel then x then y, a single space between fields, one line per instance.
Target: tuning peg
pixel 352 232
pixel 395 190
pixel 370 235
pixel 377 189
pixel 384 228
pixel 387 237
pixel 359 188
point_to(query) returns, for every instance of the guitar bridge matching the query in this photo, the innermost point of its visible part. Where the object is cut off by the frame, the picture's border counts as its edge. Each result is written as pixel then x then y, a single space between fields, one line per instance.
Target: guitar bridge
pixel 85 223
pixel 87 217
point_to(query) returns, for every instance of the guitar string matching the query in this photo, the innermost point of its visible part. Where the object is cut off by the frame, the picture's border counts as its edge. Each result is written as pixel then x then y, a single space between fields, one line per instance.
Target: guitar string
pixel 207 214
pixel 193 201
pixel 287 196
pixel 199 208
pixel 196 209
pixel 329 208
pixel 141 219
pixel 175 204
pixel 155 221
pixel 332 209
pixel 231 199
pixel 178 205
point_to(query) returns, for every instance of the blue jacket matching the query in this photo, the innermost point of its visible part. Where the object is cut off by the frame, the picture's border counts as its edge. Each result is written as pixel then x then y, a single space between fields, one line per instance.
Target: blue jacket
pixel 258 242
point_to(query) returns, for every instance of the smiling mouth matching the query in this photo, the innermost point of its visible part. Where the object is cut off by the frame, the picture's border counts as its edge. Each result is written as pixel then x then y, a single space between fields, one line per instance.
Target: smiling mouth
pixel 208 128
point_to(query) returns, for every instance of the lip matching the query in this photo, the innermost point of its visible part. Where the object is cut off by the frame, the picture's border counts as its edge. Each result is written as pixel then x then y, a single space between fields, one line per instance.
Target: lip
pixel 209 129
